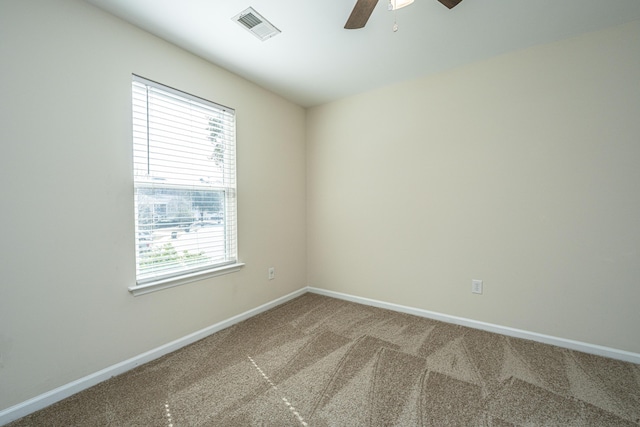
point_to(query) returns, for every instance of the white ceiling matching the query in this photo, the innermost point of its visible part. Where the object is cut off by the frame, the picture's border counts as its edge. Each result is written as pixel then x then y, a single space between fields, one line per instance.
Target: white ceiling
pixel 315 60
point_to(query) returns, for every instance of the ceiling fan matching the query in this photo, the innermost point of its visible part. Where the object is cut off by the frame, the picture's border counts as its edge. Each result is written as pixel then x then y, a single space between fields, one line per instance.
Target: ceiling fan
pixel 363 8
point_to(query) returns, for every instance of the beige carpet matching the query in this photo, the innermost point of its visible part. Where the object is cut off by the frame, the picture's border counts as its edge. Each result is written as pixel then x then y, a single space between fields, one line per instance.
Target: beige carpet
pixel 319 361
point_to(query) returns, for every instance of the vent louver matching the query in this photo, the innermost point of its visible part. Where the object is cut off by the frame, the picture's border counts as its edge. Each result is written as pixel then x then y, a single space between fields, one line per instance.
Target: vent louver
pixel 256 24
pixel 249 20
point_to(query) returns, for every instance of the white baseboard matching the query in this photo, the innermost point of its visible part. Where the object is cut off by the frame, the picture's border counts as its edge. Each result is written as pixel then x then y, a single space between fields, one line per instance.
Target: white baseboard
pixel 39 402
pixel 612 353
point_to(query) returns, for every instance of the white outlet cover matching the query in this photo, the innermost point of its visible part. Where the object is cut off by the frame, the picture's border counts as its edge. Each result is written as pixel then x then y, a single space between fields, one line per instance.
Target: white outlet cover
pixel 476 286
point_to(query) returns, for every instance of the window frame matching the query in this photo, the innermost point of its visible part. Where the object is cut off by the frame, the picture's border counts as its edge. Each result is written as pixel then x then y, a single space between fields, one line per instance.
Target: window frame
pixel 153 280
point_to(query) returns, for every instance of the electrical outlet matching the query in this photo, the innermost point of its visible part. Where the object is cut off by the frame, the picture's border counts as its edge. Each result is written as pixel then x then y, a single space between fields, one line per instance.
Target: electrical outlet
pixel 272 273
pixel 476 286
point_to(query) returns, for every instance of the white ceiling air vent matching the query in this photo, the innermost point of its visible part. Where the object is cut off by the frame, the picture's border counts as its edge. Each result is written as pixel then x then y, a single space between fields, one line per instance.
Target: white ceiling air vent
pixel 256 24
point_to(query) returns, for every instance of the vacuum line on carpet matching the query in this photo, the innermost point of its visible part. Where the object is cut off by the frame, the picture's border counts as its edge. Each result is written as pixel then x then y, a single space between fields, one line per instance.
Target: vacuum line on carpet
pixel 284 399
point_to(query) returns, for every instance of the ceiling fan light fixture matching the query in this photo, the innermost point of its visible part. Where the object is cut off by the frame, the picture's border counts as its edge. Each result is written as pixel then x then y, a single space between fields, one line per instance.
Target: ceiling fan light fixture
pixel 399 4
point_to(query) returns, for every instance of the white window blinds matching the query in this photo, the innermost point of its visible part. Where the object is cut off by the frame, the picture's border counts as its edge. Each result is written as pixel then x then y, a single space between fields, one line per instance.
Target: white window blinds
pixel 185 183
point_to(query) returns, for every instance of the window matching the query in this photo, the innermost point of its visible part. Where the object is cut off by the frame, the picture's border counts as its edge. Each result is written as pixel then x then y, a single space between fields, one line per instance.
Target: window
pixel 185 187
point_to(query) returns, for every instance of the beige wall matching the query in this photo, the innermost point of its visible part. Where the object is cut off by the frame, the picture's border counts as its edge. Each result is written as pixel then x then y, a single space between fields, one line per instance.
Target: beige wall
pixel 66 221
pixel 522 171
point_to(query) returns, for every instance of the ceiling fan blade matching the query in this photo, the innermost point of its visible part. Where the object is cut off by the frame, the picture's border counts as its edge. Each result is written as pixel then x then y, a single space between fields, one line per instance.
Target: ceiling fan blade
pixel 450 3
pixel 360 14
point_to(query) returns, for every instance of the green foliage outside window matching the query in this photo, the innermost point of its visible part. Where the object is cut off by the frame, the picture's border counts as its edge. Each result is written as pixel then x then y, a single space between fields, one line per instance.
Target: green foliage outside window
pixel 168 256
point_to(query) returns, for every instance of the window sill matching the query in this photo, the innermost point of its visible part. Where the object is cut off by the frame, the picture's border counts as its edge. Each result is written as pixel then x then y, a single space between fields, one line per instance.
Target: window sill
pixel 178 281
